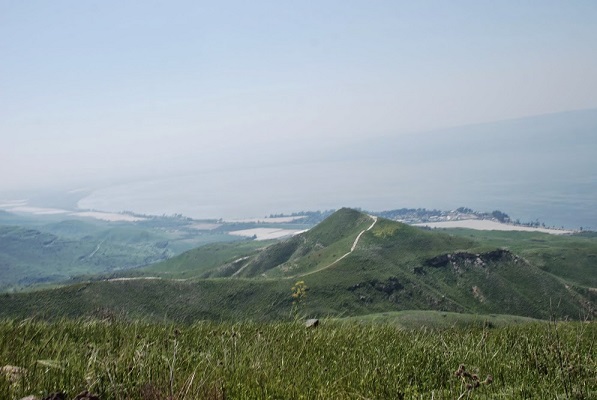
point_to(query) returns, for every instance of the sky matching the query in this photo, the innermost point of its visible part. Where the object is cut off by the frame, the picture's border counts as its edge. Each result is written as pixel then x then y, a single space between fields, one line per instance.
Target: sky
pixel 99 92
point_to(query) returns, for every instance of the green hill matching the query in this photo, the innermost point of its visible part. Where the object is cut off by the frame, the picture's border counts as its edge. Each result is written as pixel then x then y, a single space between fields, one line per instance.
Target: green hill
pixel 310 251
pixel 212 260
pixel 48 250
pixel 352 264
pixel 29 256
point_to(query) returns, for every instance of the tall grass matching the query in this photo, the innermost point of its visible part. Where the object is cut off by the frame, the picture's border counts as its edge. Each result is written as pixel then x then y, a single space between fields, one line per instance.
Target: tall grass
pixel 207 360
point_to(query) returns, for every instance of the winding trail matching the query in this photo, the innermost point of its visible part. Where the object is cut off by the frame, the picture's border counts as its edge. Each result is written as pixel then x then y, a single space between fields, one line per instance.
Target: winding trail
pixel 241 268
pixel 143 278
pixel 96 249
pixel 354 246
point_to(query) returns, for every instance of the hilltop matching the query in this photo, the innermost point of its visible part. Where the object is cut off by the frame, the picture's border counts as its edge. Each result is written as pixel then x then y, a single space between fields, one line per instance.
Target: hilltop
pixel 391 267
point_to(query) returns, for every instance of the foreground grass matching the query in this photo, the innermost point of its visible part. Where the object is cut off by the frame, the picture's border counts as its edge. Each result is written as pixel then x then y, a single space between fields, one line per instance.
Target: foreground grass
pixel 119 360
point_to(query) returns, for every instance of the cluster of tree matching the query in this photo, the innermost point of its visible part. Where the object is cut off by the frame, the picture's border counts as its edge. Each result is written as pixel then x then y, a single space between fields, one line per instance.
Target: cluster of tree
pixel 309 217
pixel 410 213
pixel 500 216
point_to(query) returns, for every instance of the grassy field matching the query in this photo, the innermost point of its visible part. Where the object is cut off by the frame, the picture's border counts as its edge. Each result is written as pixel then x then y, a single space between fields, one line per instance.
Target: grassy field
pixel 413 319
pixel 336 360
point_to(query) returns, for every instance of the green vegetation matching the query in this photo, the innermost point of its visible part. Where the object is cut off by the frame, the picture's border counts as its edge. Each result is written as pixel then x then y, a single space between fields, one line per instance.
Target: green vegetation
pixel 570 257
pixel 413 319
pixel 207 360
pixel 317 248
pixel 29 257
pixel 407 313
pixel 210 260
pixel 47 250
pixel 51 250
pixel 392 267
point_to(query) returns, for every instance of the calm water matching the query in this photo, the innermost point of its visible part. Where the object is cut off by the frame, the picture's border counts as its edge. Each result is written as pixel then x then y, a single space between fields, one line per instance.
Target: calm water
pixel 533 168
pixel 258 192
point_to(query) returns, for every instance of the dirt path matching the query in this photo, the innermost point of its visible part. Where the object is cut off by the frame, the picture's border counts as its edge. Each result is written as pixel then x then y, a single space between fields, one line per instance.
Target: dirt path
pixel 354 246
pixel 241 268
pixel 144 278
pixel 96 249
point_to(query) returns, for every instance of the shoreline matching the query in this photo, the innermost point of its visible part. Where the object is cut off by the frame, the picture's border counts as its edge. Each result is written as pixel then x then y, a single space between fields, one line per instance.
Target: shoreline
pixel 21 207
pixel 490 225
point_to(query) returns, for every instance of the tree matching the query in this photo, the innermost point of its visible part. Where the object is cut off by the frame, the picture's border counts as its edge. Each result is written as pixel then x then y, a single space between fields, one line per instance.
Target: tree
pixel 500 216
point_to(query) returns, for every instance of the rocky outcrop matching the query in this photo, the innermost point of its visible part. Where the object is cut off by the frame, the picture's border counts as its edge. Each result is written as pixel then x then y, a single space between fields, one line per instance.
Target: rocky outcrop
pixel 480 260
pixel 312 323
pixel 388 286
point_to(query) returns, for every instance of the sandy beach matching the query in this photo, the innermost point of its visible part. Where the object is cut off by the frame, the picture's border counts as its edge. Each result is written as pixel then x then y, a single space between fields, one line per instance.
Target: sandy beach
pixel 487 225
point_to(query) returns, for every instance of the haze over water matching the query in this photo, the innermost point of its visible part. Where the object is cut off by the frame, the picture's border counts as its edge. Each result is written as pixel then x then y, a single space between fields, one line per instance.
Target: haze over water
pixel 205 196
pixel 533 168
pixel 236 108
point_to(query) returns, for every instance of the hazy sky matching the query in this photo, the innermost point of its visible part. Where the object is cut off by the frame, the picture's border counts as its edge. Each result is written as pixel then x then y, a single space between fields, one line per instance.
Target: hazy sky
pixel 90 90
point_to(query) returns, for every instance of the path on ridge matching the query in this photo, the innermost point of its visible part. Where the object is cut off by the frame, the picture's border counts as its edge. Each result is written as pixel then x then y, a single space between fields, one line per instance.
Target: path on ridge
pixel 354 246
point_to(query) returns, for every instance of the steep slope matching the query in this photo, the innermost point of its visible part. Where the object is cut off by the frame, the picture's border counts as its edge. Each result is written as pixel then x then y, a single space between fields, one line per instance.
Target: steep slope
pixel 311 250
pixel 320 246
pixel 210 261
pixel 399 267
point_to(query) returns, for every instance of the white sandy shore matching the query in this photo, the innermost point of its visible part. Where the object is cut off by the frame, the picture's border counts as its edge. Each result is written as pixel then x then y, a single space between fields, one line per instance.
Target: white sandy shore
pixel 266 233
pixel 487 225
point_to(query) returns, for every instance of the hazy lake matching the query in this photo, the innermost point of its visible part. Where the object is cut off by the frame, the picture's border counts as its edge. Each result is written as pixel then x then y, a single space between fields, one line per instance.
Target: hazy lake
pixel 259 192
pixel 534 168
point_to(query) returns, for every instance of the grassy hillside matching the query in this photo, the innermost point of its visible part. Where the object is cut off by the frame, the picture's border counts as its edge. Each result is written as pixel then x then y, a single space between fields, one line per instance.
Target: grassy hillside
pixel 29 257
pixel 183 301
pixel 319 246
pixel 207 360
pixel 392 267
pixel 54 249
pixel 211 260
pixel 570 257
pixel 311 250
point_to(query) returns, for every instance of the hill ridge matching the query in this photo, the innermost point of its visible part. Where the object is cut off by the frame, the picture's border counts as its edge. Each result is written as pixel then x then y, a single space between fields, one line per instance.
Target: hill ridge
pixel 354 245
pixel 390 267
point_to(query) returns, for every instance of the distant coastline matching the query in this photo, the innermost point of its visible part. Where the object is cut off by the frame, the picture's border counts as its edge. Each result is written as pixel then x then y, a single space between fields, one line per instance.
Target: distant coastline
pixel 459 218
pixel 489 225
